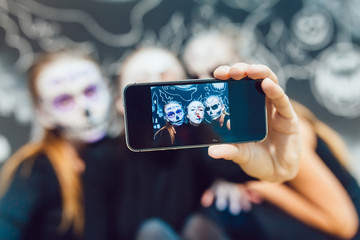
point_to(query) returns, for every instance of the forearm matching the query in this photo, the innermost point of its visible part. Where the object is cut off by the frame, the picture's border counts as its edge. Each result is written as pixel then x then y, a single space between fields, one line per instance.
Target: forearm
pixel 291 202
pixel 340 224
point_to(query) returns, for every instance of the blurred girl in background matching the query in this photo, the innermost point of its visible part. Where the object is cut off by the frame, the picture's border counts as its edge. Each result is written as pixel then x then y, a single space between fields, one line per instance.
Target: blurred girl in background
pixel 160 191
pixel 323 195
pixel 45 192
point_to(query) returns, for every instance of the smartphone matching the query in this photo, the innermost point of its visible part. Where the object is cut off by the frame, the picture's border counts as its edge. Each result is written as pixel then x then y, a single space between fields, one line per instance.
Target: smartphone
pixel 194 113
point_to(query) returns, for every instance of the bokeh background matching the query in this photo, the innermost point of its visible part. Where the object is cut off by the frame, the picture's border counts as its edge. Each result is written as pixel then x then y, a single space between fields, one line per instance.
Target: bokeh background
pixel 312 45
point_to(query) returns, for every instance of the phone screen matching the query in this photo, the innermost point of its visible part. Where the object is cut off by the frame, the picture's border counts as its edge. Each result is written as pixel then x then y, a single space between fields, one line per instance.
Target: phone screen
pixel 194 113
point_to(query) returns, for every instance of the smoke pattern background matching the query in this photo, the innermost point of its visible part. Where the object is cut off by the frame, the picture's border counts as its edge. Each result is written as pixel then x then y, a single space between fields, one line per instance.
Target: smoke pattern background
pixel 312 45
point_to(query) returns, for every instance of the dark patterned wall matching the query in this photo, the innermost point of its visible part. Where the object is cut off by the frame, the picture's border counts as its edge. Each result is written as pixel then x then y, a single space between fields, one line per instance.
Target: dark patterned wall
pixel 312 45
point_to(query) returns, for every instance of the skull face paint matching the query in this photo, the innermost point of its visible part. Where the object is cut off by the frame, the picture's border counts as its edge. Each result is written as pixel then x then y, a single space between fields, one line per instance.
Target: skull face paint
pixel 195 113
pixel 213 107
pixel 74 99
pixel 174 113
pixel 208 50
pixel 151 64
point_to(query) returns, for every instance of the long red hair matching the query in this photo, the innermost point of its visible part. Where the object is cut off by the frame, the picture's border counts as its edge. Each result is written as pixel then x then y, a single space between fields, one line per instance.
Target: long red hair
pixel 330 136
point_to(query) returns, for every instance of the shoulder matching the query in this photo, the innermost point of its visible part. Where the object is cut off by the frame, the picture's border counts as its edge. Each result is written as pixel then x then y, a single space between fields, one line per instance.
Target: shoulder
pixel 31 189
pixel 36 171
pixel 39 164
pixel 162 136
pixel 162 131
pixel 31 180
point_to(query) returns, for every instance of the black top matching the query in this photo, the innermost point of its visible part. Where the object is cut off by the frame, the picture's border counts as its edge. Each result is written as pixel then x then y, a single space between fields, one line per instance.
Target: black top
pixel 166 185
pixel 221 132
pixel 99 187
pixel 182 136
pixel 341 173
pixel 187 134
pixel 32 207
pixel 121 190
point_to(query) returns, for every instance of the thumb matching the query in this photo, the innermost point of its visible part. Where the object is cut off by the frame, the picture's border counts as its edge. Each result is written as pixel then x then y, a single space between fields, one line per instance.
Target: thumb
pixel 226 151
pixel 234 152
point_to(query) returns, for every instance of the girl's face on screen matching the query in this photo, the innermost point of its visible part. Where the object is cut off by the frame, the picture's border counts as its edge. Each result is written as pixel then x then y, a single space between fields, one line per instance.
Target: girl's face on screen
pixel 196 112
pixel 174 114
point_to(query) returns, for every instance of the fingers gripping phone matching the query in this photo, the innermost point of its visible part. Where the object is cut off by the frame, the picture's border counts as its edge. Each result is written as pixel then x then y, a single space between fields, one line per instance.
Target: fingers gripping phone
pixel 194 113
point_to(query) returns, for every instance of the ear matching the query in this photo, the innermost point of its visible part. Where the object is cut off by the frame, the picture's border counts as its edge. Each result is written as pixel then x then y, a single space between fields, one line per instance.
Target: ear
pixel 120 105
pixel 45 120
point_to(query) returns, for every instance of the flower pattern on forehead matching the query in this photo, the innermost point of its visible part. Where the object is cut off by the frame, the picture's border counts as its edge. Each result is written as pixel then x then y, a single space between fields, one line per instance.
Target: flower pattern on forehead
pixel 74 97
pixel 174 113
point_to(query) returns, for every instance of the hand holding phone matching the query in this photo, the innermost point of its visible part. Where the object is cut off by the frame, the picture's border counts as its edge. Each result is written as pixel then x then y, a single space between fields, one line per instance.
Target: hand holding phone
pixel 193 113
pixel 277 158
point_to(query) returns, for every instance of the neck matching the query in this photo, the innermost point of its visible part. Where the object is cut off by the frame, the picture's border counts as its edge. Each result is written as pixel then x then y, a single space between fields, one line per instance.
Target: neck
pixel 220 120
pixel 194 124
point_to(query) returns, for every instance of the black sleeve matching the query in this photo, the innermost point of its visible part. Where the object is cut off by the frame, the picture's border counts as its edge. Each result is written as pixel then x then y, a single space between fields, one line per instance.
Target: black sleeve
pixel 22 199
pixel 162 138
pixel 221 168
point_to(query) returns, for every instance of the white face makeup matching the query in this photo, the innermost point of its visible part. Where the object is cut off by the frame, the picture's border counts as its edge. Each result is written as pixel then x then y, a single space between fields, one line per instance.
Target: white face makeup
pixel 151 65
pixel 174 113
pixel 195 113
pixel 74 99
pixel 213 107
pixel 205 52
